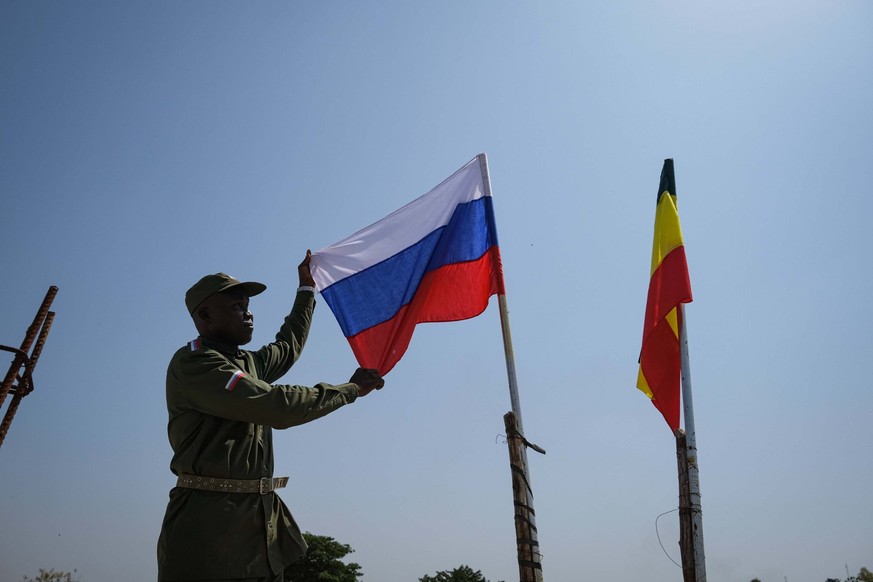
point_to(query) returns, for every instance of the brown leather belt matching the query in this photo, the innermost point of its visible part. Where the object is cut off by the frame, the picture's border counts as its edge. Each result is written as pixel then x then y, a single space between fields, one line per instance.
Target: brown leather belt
pixel 261 486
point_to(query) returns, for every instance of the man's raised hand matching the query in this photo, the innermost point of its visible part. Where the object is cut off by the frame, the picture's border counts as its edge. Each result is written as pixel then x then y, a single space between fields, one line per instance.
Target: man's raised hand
pixel 303 271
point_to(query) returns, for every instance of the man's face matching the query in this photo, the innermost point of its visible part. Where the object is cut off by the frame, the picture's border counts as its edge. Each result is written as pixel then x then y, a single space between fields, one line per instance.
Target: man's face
pixel 229 320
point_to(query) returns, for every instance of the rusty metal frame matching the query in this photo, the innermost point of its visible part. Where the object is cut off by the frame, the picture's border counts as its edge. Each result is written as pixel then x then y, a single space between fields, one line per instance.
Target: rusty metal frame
pixel 37 332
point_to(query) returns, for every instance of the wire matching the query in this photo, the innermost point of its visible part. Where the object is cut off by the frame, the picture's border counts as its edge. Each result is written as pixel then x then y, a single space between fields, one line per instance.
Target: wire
pixel 659 535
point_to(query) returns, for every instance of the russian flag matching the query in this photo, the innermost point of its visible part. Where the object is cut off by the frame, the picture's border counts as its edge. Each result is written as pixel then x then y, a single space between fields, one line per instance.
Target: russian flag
pixel 435 259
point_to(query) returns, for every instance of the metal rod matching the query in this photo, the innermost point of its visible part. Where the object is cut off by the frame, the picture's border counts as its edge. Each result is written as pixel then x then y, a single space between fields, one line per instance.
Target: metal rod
pixel 504 321
pixel 29 336
pixel 691 448
pixel 510 368
pixel 10 413
pixel 38 331
pixel 40 343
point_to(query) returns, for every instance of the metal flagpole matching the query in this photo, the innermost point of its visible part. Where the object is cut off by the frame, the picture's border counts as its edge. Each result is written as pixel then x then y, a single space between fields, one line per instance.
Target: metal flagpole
pixel 504 321
pixel 510 362
pixel 531 544
pixel 691 448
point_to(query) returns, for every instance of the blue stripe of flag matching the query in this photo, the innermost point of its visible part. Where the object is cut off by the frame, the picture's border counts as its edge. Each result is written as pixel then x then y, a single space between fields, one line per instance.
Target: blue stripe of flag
pixel 377 293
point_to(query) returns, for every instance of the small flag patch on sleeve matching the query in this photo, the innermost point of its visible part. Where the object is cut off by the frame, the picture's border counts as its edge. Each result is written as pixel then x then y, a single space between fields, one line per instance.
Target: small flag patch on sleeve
pixel 233 380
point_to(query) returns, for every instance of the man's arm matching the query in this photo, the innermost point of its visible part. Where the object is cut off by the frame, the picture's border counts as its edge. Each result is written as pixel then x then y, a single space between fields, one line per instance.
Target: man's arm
pixel 207 382
pixel 275 359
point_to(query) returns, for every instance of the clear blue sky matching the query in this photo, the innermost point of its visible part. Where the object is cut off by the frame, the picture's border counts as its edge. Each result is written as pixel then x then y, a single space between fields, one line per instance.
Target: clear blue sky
pixel 144 144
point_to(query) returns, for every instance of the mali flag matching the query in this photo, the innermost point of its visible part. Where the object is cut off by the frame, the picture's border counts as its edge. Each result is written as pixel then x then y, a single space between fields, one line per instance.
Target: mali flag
pixel 660 368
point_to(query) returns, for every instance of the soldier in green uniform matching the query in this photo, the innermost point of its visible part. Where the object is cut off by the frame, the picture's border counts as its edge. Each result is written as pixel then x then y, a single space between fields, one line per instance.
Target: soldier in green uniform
pixel 224 520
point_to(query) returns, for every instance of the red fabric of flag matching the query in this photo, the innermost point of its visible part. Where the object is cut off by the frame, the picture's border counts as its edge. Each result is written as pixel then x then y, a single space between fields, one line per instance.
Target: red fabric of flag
pixel 660 373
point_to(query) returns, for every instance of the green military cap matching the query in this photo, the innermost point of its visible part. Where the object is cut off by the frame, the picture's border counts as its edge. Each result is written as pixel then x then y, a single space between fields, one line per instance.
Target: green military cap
pixel 217 283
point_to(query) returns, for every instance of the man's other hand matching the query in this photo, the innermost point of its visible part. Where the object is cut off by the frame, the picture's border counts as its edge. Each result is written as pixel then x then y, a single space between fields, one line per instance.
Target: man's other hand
pixel 367 380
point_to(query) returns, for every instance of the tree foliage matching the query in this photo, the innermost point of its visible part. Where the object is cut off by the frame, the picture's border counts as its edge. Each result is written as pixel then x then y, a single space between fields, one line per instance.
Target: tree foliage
pixel 323 562
pixel 864 575
pixel 459 574
pixel 52 576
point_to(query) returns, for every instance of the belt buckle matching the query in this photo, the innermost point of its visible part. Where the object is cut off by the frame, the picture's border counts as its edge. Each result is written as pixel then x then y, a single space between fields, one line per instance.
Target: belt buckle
pixel 265 485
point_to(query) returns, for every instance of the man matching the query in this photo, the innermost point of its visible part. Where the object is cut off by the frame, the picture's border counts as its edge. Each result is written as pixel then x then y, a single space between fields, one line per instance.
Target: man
pixel 224 521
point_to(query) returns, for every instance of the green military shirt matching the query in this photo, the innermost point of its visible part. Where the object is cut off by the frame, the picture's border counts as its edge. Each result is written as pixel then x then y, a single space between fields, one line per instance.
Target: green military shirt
pixel 222 406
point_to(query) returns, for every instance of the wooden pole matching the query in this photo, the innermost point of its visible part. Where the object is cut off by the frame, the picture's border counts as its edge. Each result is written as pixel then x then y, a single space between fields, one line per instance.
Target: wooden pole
pixel 686 547
pixel 530 568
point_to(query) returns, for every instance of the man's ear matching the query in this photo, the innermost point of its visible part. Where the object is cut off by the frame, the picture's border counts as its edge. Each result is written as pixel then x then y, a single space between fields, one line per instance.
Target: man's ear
pixel 202 317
